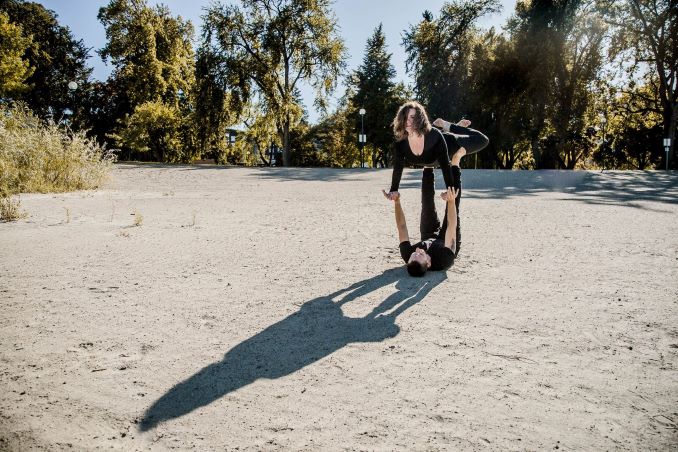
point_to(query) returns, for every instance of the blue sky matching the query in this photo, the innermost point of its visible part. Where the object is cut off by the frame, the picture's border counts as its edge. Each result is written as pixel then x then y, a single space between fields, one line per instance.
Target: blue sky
pixel 357 20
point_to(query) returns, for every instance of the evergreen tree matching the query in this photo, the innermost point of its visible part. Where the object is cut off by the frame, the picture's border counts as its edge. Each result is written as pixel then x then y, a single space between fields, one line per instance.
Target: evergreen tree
pixel 378 94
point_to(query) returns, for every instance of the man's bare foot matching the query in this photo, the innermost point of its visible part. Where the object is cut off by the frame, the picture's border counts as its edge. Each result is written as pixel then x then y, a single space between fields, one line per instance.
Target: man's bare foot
pixel 456 157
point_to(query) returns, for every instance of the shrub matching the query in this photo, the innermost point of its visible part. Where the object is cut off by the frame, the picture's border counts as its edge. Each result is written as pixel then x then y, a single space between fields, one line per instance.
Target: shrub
pixel 10 209
pixel 38 157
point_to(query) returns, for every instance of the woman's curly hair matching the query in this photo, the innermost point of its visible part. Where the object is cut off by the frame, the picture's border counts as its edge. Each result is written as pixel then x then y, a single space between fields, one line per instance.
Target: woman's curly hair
pixel 421 122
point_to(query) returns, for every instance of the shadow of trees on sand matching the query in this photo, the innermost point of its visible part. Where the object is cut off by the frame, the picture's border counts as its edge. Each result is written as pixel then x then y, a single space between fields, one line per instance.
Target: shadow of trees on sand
pixel 592 187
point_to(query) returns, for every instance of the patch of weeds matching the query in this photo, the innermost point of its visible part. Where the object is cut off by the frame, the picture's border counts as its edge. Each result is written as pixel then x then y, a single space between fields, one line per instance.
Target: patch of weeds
pixel 10 209
pixel 37 156
pixel 138 218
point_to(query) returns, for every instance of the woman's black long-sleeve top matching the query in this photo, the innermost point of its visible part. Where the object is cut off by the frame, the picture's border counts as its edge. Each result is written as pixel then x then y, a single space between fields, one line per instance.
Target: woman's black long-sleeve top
pixel 435 149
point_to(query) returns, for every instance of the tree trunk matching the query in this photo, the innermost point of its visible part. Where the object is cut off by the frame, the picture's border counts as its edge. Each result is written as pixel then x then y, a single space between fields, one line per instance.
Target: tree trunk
pixel 537 126
pixel 262 155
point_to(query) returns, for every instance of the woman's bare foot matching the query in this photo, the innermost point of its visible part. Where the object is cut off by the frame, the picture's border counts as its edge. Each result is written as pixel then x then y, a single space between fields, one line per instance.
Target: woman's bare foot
pixel 456 157
pixel 442 124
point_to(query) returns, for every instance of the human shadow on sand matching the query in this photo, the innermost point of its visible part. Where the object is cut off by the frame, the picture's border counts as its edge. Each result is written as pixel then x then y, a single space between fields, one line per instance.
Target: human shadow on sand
pixel 315 331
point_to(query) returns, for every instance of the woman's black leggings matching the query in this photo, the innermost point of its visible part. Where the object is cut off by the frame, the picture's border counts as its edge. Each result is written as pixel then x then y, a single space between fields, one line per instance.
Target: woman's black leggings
pixel 470 139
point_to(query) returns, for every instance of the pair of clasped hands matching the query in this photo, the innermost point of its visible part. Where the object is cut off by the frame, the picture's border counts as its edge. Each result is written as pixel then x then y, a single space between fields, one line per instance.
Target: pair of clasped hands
pixel 449 195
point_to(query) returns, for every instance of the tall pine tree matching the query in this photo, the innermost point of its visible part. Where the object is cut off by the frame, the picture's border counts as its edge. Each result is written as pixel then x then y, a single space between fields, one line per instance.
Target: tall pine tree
pixel 378 94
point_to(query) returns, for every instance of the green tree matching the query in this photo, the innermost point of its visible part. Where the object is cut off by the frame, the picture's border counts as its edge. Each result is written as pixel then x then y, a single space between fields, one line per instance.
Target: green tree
pixel 213 112
pixel 438 53
pixel 154 127
pixel 260 132
pixel 645 45
pixel 637 146
pixel 336 139
pixel 576 70
pixel 497 102
pixel 153 76
pixel 540 31
pixel 150 51
pixel 633 132
pixel 268 47
pixel 56 57
pixel 376 92
pixel 14 70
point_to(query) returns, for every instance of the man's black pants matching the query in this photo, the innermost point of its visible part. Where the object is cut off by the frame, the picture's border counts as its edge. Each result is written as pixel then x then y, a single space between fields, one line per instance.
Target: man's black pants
pixel 429 225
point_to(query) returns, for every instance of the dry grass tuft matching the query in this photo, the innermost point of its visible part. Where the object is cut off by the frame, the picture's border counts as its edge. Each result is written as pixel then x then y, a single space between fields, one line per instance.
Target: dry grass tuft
pixel 45 158
pixel 10 209
pixel 138 218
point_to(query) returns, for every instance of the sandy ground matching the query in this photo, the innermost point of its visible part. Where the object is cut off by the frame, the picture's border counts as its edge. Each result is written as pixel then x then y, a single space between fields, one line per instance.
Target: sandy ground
pixel 267 309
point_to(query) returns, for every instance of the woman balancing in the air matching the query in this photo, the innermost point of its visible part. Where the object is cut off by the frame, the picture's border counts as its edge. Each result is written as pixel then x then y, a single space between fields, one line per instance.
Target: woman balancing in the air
pixel 418 143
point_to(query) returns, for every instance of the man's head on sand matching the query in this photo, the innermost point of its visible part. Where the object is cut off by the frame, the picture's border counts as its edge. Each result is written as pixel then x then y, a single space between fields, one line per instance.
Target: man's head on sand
pixel 419 263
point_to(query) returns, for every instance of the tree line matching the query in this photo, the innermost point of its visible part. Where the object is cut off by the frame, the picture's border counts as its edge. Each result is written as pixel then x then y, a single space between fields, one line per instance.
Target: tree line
pixel 564 84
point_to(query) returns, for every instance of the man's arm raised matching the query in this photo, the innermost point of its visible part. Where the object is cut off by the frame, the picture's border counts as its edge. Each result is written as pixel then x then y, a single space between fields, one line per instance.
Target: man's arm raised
pixel 451 232
pixel 403 235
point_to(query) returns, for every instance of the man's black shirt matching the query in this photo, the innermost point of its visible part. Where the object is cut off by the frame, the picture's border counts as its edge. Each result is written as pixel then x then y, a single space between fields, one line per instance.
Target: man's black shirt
pixel 442 257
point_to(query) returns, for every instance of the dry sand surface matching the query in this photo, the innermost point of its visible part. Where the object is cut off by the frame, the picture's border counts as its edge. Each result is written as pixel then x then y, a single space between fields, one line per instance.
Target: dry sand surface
pixel 268 309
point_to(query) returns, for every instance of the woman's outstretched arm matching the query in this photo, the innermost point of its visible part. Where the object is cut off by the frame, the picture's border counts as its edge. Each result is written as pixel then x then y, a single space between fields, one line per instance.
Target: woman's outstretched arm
pixel 398 165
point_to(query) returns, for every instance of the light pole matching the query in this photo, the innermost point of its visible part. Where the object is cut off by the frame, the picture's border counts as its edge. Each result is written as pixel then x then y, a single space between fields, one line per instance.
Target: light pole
pixel 667 147
pixel 72 86
pixel 362 137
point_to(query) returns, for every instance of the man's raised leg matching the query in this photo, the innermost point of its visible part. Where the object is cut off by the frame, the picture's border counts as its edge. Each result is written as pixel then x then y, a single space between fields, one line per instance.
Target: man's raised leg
pixel 429 223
